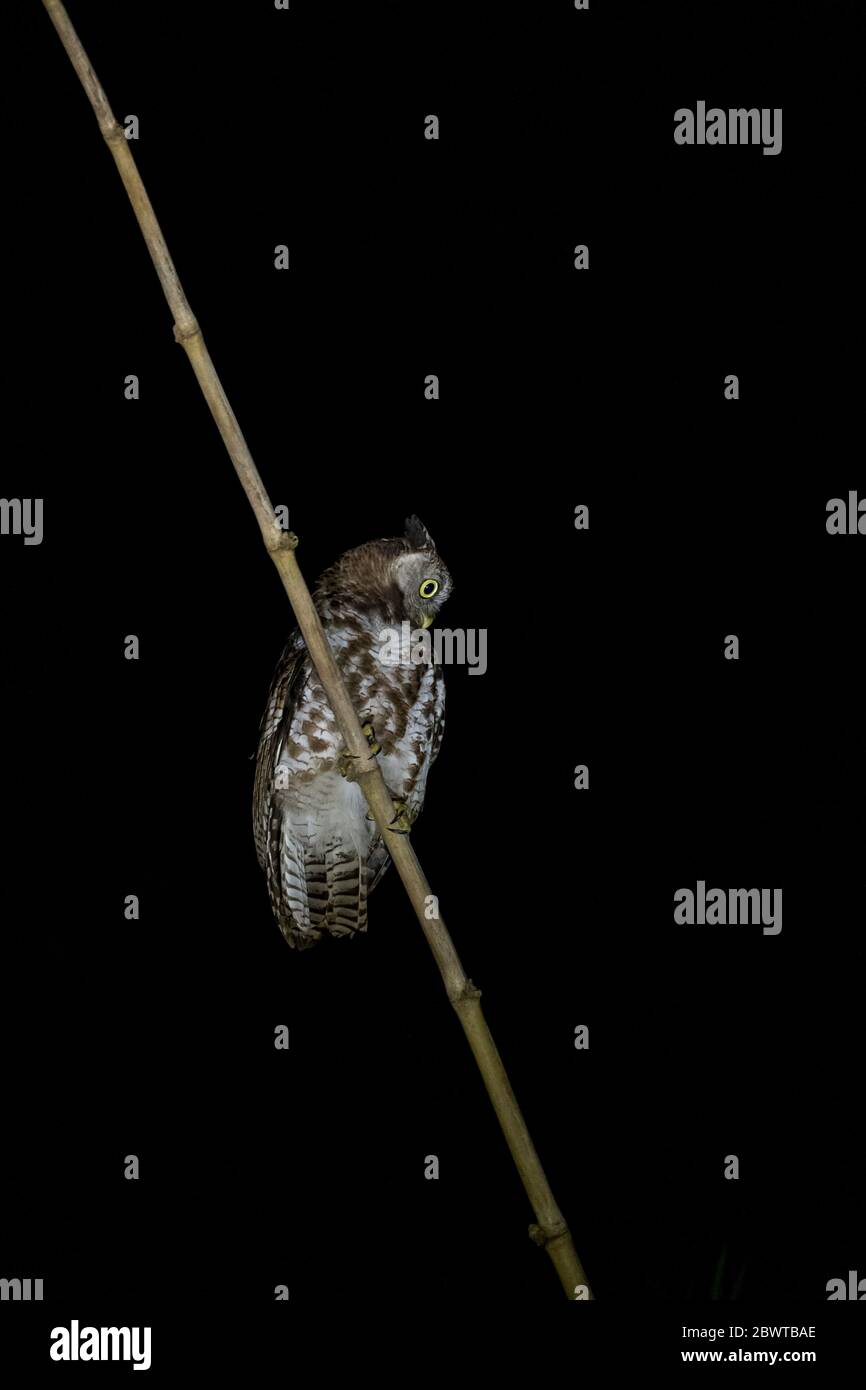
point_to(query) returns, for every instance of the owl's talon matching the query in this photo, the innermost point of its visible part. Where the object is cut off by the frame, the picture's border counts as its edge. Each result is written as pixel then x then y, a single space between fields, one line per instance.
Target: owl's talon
pixel 346 765
pixel 346 761
pixel 401 823
pixel 370 736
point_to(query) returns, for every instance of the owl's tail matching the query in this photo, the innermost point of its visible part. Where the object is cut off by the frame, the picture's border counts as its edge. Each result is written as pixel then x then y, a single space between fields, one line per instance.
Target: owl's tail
pixel 314 889
pixel 297 899
pixel 346 882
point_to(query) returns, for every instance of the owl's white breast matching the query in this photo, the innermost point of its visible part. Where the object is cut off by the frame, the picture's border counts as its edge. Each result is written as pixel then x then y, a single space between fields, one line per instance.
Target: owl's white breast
pixel 329 807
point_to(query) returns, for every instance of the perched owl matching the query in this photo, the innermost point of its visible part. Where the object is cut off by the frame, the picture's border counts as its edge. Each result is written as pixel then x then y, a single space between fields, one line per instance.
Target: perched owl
pixel 320 849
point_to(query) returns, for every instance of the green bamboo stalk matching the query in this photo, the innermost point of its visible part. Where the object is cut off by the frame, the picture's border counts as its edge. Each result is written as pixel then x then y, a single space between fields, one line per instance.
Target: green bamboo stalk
pixel 550 1228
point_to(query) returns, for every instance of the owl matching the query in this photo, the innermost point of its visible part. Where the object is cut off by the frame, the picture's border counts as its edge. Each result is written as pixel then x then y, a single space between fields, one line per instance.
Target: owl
pixel 320 849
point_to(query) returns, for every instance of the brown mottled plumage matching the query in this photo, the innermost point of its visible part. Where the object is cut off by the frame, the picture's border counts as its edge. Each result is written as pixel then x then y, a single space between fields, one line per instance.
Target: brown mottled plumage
pixel 320 851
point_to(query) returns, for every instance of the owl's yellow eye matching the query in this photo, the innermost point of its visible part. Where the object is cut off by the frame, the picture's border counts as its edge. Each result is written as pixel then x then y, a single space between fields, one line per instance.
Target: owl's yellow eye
pixel 429 588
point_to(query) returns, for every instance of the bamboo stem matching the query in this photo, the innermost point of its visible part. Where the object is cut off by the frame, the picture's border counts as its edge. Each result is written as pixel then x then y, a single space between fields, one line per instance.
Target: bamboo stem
pixel 551 1230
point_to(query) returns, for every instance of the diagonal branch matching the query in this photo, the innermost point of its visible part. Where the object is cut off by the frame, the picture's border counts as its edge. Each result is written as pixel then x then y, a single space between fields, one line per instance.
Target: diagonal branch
pixel 551 1230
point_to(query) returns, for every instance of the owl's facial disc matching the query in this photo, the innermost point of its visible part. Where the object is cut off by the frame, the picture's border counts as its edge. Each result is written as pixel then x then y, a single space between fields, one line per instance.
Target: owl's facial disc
pixel 424 584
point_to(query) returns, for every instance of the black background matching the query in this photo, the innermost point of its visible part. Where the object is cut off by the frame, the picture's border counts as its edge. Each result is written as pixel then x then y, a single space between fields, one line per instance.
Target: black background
pixel 707 517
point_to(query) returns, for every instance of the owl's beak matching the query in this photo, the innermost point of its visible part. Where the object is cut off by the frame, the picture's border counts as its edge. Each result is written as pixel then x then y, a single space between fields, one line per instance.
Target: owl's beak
pixel 426 619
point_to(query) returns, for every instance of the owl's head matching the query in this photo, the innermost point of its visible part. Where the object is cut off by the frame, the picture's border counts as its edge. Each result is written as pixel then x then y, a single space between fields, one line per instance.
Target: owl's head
pixel 420 574
pixel 394 580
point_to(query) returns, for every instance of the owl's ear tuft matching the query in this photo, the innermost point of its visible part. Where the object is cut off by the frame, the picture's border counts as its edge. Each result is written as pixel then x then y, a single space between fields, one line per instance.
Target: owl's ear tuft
pixel 417 534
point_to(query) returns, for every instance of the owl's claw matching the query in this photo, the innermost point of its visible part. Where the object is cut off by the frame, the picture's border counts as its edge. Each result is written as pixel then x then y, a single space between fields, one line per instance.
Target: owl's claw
pixel 401 821
pixel 346 761
pixel 346 765
pixel 370 736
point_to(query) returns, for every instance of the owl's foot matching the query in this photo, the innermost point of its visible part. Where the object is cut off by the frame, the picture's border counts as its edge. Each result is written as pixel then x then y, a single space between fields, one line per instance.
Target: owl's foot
pixel 401 823
pixel 347 762
pixel 369 734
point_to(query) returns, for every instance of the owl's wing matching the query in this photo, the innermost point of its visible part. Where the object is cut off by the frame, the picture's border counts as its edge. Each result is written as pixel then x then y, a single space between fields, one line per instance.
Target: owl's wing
pixel 280 853
pixel 378 860
pixel 282 696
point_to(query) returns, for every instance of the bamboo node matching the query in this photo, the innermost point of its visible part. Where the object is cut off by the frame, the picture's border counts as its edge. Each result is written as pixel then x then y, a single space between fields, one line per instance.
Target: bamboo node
pixel 467 990
pixel 365 764
pixel 281 540
pixel 544 1235
pixel 182 335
